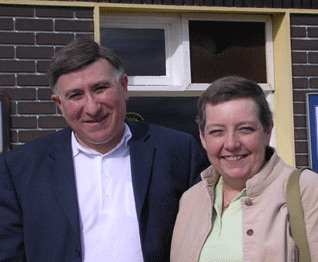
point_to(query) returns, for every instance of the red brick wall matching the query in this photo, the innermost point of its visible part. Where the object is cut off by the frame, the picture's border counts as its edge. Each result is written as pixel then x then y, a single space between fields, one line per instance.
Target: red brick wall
pixel 29 36
pixel 304 43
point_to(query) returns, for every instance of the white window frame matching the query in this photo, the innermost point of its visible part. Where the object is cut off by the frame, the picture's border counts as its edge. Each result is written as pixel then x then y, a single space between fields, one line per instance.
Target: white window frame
pixel 178 68
pixel 171 26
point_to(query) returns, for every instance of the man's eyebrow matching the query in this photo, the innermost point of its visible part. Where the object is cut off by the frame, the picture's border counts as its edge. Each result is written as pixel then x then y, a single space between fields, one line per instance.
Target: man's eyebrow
pixel 71 91
pixel 102 82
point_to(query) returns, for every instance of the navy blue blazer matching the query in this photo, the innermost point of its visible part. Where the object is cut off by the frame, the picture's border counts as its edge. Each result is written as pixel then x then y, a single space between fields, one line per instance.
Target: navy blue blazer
pixel 39 215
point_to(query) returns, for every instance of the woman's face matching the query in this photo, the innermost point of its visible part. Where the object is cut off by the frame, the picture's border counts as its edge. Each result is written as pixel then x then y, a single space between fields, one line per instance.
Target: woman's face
pixel 234 138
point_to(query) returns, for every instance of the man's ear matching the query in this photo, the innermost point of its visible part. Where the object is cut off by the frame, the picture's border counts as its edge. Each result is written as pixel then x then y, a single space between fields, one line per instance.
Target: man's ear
pixel 56 99
pixel 124 83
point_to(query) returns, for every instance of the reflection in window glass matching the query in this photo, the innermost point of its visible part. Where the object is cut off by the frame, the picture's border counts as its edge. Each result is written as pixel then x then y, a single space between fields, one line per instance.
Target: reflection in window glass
pixel 221 48
pixel 141 50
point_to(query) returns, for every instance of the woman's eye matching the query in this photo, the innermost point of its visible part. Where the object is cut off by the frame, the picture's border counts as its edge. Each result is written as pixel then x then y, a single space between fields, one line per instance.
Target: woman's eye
pixel 215 132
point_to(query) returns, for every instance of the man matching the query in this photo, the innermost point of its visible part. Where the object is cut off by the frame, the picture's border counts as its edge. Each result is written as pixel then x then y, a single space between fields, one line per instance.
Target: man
pixel 103 189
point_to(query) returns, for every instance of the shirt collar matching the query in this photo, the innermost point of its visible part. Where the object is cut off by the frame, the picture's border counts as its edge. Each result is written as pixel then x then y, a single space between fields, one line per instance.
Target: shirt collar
pixel 77 148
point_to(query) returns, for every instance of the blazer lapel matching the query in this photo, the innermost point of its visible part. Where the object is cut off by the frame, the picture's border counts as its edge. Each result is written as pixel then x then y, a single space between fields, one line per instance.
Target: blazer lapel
pixel 63 180
pixel 141 156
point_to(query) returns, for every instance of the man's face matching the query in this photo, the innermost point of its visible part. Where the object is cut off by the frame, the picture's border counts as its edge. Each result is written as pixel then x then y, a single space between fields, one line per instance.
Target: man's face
pixel 94 104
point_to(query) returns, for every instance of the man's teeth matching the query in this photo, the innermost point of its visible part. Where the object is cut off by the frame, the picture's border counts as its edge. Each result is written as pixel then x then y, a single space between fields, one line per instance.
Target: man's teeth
pixel 233 158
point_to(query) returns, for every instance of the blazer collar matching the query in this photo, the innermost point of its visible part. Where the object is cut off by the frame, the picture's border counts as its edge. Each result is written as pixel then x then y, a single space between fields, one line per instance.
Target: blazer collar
pixel 142 153
pixel 62 174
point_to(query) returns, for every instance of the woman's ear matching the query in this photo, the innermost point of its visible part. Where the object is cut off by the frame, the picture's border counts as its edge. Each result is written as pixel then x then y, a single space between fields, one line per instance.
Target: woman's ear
pixel 269 133
pixel 202 138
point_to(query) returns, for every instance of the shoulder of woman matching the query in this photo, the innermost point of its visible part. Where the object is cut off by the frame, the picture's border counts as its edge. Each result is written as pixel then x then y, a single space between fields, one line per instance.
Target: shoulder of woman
pixel 308 185
pixel 308 178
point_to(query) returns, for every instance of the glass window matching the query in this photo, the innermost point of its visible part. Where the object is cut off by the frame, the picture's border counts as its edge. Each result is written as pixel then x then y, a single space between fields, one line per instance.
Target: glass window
pixel 186 52
pixel 142 50
pixel 221 48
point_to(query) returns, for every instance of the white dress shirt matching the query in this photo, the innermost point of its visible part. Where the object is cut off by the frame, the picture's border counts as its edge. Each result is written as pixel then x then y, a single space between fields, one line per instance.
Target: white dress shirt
pixel 109 226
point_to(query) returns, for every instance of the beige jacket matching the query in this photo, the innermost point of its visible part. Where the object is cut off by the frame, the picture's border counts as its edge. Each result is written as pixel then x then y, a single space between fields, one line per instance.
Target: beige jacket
pixel 266 233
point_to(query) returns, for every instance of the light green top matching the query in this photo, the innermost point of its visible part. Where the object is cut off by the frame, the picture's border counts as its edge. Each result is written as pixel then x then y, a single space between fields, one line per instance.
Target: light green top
pixel 224 243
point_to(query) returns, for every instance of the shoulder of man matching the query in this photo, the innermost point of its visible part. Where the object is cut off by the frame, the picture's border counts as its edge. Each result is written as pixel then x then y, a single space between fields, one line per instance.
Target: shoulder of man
pixel 60 139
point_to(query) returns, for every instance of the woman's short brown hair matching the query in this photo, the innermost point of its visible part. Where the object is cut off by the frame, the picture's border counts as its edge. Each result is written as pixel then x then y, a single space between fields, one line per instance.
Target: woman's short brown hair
pixel 230 88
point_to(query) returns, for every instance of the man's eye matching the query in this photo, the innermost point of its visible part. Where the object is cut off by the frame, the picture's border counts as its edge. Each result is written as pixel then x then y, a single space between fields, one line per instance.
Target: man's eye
pixel 246 130
pixel 100 88
pixel 74 96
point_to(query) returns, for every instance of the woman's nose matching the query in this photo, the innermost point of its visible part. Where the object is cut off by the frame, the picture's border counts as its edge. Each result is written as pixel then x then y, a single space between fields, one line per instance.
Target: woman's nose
pixel 232 141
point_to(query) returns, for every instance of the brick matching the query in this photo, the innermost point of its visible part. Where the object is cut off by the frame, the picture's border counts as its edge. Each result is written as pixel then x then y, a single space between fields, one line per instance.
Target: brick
pixel 32 80
pixel 29 135
pixel 299 57
pixel 304 19
pixel 84 13
pixel 17 38
pixel 44 93
pixel 6 24
pixel 36 108
pixel 14 137
pixel 299 95
pixel 74 25
pixel 42 66
pixel 54 38
pixel 301 147
pixel 300 121
pixel 313 57
pixel 305 70
pixel 302 161
pixel 56 11
pixel 17 10
pixel 21 93
pixel 17 66
pixel 13 108
pixel 34 24
pixel 304 44
pixel 23 122
pixel 312 31
pixel 300 134
pixel 298 31
pixel 299 108
pixel 52 122
pixel 7 80
pixel 79 35
pixel 6 52
pixel 300 83
pixel 313 82
pixel 34 52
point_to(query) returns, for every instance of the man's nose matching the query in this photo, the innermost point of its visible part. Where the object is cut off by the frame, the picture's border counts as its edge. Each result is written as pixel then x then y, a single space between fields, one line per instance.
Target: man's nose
pixel 92 105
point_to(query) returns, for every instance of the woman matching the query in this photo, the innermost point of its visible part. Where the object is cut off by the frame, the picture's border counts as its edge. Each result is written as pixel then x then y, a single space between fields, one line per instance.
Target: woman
pixel 238 212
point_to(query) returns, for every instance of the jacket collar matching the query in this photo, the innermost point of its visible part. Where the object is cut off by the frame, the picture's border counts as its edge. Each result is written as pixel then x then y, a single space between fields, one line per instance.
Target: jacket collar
pixel 62 175
pixel 142 153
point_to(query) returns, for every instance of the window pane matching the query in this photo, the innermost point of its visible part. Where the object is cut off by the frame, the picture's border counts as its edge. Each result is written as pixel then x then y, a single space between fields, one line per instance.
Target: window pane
pixel 141 50
pixel 221 48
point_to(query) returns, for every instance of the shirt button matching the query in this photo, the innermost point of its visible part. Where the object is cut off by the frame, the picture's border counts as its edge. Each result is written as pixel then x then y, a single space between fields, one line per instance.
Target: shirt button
pixel 250 232
pixel 248 202
pixel 105 194
pixel 104 175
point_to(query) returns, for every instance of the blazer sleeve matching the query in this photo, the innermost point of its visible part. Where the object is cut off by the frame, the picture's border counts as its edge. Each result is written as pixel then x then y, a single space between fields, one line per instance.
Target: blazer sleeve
pixel 11 229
